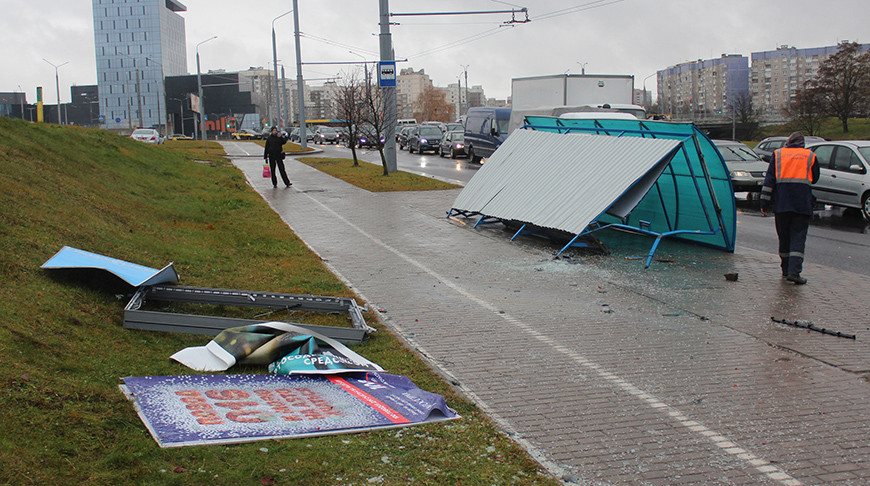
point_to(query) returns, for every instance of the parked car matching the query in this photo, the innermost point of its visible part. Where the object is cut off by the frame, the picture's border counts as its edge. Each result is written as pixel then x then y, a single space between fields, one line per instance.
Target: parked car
pixel 765 148
pixel 147 135
pixel 844 174
pixel 453 144
pixel 424 138
pixel 178 136
pixel 325 135
pixel 402 136
pixel 294 135
pixel 745 166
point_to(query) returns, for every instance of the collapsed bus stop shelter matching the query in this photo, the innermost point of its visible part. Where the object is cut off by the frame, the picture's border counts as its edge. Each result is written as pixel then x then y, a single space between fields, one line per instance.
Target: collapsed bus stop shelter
pixel 579 176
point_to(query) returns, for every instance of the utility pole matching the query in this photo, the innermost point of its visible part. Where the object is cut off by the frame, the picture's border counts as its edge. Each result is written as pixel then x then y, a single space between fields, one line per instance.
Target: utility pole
pixel 389 93
pixel 300 83
pixel 21 101
pixel 201 100
pixel 467 101
pixel 278 103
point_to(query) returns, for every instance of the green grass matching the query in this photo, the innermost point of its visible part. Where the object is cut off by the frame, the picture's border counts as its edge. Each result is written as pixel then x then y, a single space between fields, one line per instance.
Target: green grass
pixel 371 177
pixel 289 147
pixel 63 350
pixel 832 129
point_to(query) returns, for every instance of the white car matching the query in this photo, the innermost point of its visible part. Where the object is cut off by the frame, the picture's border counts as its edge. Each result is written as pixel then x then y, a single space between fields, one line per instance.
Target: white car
pixel 147 135
pixel 844 174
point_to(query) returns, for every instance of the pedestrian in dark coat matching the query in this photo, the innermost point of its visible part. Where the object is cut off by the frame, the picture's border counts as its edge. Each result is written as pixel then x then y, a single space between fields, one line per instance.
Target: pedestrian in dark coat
pixel 787 192
pixel 274 153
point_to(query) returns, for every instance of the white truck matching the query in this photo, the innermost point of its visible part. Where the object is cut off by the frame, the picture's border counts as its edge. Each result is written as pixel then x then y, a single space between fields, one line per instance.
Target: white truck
pixel 563 93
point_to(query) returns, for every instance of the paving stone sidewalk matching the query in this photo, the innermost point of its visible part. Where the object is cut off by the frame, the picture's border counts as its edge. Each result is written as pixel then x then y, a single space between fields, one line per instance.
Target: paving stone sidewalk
pixel 608 373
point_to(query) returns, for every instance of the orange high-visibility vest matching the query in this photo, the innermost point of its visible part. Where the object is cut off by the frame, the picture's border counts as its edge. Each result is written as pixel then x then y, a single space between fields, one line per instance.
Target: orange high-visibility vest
pixel 794 164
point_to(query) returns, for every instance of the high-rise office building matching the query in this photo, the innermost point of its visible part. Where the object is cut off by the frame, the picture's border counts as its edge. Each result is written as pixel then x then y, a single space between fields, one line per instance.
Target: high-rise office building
pixel 138 43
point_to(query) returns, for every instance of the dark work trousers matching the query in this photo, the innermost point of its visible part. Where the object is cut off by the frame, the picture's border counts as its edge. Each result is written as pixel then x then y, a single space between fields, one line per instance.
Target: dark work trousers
pixel 791 228
pixel 280 163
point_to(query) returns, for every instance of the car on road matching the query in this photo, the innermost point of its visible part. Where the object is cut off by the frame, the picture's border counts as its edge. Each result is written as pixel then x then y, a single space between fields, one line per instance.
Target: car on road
pixel 425 138
pixel 844 174
pixel 453 144
pixel 367 137
pixel 402 136
pixel 765 148
pixel 147 135
pixel 246 135
pixel 452 127
pixel 294 135
pixel 746 168
pixel 325 135
pixel 178 136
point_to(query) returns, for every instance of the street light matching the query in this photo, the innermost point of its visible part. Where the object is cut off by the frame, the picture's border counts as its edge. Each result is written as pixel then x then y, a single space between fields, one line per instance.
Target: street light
pixel 275 68
pixel 465 70
pixel 645 102
pixel 57 84
pixel 582 67
pixel 199 88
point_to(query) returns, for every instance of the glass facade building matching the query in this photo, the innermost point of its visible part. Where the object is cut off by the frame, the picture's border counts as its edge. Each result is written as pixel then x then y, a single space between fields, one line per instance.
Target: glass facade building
pixel 138 43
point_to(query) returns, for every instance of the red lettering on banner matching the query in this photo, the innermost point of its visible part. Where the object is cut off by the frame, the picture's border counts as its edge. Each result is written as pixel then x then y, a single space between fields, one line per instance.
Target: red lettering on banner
pixel 243 416
pixel 236 405
pixel 227 394
pixel 199 407
pixel 371 401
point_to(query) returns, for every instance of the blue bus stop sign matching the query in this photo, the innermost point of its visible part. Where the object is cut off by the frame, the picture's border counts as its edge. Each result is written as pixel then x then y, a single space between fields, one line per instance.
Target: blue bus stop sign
pixel 387 74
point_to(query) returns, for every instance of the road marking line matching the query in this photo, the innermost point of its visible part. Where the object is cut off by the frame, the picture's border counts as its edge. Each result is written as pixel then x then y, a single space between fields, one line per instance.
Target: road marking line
pixel 760 465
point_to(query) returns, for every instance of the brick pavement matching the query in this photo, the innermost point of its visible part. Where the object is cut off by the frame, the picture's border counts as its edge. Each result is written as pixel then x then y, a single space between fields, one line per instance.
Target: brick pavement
pixel 605 372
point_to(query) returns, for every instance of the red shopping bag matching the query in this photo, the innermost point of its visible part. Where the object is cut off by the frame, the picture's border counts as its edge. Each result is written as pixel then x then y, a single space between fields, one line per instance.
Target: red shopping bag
pixel 266 172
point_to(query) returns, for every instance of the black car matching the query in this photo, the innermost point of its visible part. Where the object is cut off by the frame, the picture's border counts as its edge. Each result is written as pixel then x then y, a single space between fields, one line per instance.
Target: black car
pixel 326 135
pixel 765 148
pixel 425 138
pixel 366 137
pixel 453 144
pixel 402 136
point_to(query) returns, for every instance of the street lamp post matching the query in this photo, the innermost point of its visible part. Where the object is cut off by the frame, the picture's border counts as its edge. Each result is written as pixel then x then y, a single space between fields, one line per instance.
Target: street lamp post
pixel 199 88
pixel 278 103
pixel 465 70
pixel 57 84
pixel 645 101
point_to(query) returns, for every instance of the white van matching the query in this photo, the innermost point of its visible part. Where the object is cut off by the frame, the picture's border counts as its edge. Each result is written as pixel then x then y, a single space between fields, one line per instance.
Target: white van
pixel 406 121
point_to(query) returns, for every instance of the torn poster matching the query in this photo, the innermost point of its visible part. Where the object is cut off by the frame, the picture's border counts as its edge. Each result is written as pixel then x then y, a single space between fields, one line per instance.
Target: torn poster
pixel 286 348
pixel 133 274
pixel 223 409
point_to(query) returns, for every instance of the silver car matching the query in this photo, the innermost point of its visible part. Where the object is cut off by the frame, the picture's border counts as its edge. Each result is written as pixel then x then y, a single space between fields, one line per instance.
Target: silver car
pixel 147 135
pixel 745 166
pixel 843 174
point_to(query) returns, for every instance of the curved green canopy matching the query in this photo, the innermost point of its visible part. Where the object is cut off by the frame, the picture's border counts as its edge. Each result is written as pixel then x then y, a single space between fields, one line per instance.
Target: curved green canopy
pixel 692 199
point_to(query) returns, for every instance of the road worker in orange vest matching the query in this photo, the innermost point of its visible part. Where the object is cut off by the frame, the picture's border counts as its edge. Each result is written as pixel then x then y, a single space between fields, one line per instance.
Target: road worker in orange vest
pixel 788 193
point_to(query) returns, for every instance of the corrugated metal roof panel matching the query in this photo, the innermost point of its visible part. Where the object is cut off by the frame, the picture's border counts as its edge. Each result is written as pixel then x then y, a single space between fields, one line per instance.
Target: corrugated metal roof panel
pixel 563 182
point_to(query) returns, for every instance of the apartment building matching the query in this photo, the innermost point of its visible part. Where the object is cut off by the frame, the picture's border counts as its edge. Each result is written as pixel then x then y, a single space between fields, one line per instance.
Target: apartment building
pixel 704 88
pixel 778 75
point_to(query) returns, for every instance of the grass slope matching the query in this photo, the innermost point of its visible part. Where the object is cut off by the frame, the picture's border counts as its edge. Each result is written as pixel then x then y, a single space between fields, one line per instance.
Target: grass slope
pixel 63 350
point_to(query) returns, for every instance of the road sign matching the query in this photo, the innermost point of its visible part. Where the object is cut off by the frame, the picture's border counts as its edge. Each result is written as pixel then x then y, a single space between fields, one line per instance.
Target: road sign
pixel 117 120
pixel 101 118
pixel 388 74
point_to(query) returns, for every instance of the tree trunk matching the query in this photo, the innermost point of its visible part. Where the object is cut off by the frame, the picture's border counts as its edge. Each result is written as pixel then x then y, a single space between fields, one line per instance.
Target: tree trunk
pixel 845 121
pixel 383 159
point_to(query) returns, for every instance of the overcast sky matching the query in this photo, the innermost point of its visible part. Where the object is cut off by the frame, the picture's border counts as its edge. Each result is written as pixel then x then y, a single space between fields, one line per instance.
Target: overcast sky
pixel 636 37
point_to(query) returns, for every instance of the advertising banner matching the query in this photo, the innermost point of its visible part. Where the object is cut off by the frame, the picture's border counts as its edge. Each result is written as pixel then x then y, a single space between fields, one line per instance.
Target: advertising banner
pixel 194 103
pixel 223 409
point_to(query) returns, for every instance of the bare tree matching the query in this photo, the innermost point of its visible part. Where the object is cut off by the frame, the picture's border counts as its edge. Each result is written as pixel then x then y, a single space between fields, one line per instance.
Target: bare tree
pixel 844 80
pixel 374 120
pixel 350 103
pixel 432 105
pixel 745 115
pixel 807 112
